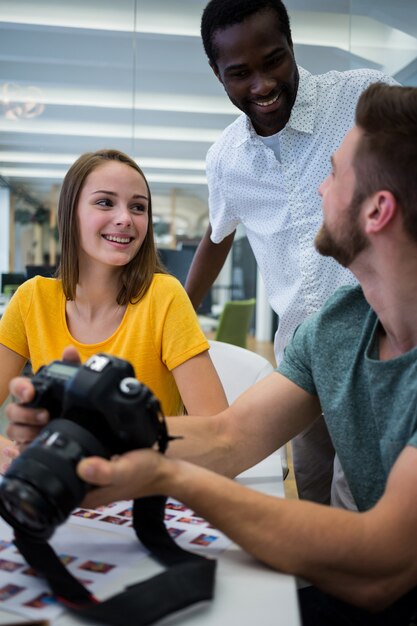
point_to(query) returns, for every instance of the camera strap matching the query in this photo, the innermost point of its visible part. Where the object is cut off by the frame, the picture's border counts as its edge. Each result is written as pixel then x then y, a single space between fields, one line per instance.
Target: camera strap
pixel 188 579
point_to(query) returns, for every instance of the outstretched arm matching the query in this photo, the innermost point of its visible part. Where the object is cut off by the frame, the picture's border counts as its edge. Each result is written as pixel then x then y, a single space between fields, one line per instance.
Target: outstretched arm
pixel 257 423
pixel 367 559
pixel 207 263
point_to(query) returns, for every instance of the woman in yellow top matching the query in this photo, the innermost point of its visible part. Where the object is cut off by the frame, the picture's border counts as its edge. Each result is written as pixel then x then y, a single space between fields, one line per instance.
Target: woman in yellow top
pixel 112 294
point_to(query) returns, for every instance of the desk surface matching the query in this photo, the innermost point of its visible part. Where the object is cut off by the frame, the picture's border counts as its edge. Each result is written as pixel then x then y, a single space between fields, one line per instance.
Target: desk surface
pixel 247 592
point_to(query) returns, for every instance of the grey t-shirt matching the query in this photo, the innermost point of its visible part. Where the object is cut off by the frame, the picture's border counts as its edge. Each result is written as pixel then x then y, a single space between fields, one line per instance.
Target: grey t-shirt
pixel 370 406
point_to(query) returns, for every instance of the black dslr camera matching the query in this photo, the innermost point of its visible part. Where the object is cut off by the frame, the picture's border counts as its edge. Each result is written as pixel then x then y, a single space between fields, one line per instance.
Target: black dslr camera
pixel 97 409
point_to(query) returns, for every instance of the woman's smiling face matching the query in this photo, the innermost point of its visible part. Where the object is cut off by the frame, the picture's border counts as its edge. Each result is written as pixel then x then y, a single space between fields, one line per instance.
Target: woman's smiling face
pixel 112 214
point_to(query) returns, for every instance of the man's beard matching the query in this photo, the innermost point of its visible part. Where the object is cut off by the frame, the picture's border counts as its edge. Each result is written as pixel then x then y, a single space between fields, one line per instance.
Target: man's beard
pixel 347 246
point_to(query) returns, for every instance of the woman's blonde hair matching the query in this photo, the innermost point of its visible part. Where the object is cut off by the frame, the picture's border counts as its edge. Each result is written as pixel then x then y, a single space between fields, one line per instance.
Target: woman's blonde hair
pixel 137 275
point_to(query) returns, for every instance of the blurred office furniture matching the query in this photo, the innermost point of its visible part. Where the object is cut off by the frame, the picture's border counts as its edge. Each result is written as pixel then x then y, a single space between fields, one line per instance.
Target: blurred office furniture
pixel 40 270
pixel 234 322
pixel 9 290
pixel 11 281
pixel 239 369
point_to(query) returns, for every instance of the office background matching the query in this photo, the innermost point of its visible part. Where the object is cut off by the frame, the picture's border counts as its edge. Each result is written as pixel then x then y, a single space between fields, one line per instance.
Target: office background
pixel 80 75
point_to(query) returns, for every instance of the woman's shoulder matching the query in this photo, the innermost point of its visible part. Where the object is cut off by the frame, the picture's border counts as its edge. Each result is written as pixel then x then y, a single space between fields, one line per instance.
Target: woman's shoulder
pixel 34 293
pixel 166 283
pixel 40 285
pixel 165 293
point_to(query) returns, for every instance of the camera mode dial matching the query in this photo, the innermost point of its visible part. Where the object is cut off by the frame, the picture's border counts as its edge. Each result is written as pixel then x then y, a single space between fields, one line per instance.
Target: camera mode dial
pixel 130 386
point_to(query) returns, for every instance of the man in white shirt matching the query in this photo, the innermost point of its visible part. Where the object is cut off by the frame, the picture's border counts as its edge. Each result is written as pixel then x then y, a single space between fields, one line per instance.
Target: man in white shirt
pixel 264 173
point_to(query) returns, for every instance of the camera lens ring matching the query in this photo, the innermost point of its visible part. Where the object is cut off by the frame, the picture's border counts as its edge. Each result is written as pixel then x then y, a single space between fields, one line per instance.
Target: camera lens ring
pixel 41 488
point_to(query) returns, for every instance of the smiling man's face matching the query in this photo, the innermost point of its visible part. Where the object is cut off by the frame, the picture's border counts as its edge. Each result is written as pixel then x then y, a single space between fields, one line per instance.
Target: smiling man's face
pixel 256 66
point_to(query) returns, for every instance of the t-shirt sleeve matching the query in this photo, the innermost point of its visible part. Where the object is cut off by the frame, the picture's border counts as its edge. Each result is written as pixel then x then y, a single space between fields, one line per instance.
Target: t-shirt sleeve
pixel 12 324
pixel 297 362
pixel 176 322
pixel 413 440
pixel 222 220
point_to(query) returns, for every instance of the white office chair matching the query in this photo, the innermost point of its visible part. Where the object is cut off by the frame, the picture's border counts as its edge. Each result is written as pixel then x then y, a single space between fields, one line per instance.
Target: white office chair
pixel 239 369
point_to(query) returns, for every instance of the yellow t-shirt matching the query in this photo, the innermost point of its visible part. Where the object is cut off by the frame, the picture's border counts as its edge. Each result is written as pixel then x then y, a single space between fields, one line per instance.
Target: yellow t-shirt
pixel 156 335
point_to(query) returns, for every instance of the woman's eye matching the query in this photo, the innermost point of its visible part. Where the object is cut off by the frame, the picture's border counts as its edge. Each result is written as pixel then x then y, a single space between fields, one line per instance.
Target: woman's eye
pixel 104 202
pixel 138 208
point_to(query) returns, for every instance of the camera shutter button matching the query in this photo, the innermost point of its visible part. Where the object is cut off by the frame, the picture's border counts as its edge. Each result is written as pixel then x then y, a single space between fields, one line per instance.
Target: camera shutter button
pixel 130 386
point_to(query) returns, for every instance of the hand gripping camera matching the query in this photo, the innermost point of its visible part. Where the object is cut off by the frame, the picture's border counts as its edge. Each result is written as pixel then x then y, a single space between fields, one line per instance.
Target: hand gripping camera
pixel 97 409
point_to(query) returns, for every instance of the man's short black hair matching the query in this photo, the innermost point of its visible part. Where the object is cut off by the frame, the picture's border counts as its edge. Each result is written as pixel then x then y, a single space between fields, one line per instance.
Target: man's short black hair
pixel 220 14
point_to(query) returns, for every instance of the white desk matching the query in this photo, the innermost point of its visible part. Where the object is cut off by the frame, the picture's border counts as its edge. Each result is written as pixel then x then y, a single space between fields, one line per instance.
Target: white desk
pixel 247 592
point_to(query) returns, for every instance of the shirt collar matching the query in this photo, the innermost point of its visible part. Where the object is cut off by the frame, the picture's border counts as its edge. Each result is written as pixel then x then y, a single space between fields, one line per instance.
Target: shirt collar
pixel 302 114
pixel 304 109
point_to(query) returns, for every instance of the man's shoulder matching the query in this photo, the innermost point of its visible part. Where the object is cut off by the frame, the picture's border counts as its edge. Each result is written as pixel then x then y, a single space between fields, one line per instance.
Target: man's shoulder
pixel 346 301
pixel 345 308
pixel 233 135
pixel 329 335
pixel 353 79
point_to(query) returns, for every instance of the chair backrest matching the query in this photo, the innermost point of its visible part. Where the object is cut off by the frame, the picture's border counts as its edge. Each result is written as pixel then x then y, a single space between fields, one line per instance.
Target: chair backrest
pixel 239 369
pixel 234 322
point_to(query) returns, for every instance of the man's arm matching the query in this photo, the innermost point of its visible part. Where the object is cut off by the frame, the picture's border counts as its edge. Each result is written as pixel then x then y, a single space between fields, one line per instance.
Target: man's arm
pixel 367 559
pixel 257 423
pixel 207 263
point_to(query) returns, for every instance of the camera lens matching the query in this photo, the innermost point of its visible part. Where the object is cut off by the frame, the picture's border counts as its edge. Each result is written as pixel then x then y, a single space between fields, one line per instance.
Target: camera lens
pixel 21 502
pixel 41 487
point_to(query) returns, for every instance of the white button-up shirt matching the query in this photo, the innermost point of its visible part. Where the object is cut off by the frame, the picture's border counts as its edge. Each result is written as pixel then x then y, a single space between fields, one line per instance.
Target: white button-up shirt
pixel 278 202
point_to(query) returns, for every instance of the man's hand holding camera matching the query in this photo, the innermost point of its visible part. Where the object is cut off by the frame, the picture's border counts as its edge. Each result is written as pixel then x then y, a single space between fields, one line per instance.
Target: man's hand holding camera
pixel 134 474
pixel 117 477
pixel 114 478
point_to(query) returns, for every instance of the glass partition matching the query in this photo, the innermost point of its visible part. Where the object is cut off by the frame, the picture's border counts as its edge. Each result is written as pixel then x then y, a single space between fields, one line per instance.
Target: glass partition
pixel 81 75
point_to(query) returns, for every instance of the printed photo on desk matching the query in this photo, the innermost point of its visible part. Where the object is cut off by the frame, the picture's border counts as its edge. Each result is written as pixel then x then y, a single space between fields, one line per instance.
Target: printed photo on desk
pixel 190 531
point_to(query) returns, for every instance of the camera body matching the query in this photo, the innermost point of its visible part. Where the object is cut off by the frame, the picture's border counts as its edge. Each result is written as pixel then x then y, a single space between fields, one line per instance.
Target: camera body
pixel 103 396
pixel 96 409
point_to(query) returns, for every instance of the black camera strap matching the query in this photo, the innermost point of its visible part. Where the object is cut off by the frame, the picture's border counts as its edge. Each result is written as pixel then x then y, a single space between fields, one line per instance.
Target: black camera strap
pixel 188 579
